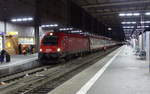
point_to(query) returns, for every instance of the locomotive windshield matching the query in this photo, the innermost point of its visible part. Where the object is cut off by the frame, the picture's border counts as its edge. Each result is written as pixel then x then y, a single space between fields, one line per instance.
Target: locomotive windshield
pixel 50 40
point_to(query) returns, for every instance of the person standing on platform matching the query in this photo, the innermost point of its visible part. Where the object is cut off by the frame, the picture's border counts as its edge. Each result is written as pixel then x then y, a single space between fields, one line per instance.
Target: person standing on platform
pixel 7 57
pixel 104 48
pixel 2 56
pixel 20 48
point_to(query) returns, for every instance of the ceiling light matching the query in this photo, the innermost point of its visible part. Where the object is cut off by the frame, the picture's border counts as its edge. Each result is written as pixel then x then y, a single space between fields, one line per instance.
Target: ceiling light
pixel 43 26
pixel 19 20
pixel 109 29
pixel 49 25
pixel 145 21
pixel 128 22
pixel 142 26
pixel 30 19
pixel 22 19
pixel 133 22
pixel 123 22
pixel 77 31
pixel 122 14
pixel 148 13
pixel 65 29
pixel 136 14
pixel 129 14
pixel 128 27
pixel 55 25
pixel 13 20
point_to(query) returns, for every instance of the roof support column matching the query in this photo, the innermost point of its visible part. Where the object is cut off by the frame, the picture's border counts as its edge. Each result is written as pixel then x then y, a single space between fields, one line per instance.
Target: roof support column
pixel 4 34
pixel 37 22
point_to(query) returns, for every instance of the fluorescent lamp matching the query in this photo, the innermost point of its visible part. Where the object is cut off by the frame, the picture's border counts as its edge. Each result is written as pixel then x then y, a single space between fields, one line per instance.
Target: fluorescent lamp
pixel 123 22
pixel 30 19
pixel 136 14
pixel 146 26
pixel 13 20
pixel 129 14
pixel 145 21
pixel 22 19
pixel 64 29
pixel 128 22
pixel 133 22
pixel 122 14
pixel 109 29
pixel 77 31
pixel 128 27
pixel 55 25
pixel 49 25
pixel 148 13
pixel 43 26
pixel 142 26
pixel 19 20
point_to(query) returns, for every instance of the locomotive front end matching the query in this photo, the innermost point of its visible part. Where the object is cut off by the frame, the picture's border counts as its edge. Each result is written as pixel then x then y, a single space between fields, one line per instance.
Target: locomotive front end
pixel 49 48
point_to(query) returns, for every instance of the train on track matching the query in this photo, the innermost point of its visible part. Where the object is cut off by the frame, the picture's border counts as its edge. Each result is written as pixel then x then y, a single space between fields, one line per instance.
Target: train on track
pixel 59 45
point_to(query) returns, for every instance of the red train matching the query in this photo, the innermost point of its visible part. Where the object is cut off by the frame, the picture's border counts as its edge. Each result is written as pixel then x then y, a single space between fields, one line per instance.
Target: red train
pixel 57 45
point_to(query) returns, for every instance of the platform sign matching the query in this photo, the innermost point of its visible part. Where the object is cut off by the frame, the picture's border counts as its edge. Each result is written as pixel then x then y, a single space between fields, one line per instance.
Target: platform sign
pixel 141 42
pixel 1 43
pixel 148 48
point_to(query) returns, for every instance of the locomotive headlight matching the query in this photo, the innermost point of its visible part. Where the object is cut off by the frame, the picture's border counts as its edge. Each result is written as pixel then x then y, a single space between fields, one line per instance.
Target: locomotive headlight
pixel 58 49
pixel 41 50
pixel 51 34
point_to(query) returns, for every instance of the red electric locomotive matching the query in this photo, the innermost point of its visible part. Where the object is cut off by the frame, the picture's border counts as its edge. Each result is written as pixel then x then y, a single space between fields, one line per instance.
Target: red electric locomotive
pixel 57 45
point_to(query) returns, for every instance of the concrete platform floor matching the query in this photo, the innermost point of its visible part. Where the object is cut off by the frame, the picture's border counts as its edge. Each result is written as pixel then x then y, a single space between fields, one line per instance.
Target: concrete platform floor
pixel 124 73
pixel 19 60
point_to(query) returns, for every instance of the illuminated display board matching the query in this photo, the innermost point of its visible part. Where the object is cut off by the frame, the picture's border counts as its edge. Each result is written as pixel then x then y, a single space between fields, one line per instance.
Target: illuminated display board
pixel 26 41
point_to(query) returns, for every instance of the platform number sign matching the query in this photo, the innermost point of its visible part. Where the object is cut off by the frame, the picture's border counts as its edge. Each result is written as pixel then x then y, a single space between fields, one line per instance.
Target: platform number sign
pixel 1 43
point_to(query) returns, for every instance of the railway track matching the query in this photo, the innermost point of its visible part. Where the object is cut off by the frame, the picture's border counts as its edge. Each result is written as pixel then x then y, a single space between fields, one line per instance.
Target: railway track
pixel 43 80
pixel 13 77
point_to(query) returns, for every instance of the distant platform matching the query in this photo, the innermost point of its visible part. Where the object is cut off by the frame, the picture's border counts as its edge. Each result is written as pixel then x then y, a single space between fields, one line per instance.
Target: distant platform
pixel 18 63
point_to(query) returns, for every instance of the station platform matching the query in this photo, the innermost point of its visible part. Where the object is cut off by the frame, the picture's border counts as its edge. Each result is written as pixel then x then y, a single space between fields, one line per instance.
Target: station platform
pixel 18 63
pixel 19 60
pixel 118 73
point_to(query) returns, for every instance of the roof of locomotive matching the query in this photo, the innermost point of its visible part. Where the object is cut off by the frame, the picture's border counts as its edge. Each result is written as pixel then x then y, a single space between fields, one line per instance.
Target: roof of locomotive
pixel 77 34
pixel 65 34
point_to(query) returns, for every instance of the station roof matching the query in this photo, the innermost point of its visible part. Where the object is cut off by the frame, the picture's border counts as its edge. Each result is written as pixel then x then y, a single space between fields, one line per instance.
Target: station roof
pixel 108 12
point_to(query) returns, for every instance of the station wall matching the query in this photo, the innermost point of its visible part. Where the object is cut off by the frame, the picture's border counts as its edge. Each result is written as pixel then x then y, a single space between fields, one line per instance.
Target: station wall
pixel 24 35
pixel 23 31
pixel 142 39
pixel 140 42
pixel 1 26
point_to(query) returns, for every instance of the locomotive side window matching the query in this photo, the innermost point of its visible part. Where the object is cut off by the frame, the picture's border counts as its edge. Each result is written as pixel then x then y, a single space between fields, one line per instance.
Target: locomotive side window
pixel 50 40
